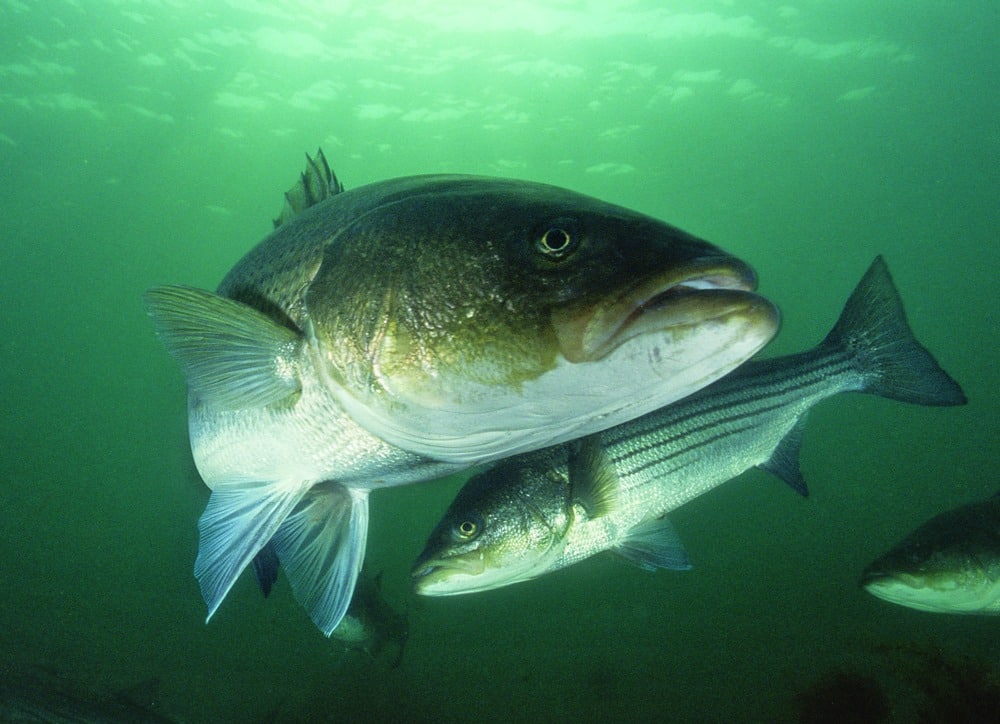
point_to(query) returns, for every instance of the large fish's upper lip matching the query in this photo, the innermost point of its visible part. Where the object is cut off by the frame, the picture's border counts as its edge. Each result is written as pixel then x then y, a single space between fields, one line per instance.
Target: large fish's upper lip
pixel 701 290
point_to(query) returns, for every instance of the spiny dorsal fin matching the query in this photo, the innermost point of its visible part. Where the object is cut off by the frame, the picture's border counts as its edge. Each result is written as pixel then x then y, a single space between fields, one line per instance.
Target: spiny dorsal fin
pixel 316 183
pixel 593 477
pixel 784 460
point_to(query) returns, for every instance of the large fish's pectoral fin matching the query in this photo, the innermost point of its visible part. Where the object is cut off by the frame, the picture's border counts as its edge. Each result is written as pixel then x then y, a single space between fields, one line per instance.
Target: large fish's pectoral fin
pixel 654 544
pixel 784 461
pixel 240 519
pixel 322 546
pixel 233 356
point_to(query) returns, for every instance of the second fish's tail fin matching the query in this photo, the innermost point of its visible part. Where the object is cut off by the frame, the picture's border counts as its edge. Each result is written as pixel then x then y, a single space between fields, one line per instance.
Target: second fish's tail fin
pixel 874 330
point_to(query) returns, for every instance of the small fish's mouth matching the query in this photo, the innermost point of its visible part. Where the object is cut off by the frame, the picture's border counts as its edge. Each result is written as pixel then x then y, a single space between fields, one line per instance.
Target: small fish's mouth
pixel 438 576
pixel 705 289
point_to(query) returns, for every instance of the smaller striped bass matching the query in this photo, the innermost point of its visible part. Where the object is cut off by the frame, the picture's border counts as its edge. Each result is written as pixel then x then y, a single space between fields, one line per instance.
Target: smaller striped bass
pixel 539 512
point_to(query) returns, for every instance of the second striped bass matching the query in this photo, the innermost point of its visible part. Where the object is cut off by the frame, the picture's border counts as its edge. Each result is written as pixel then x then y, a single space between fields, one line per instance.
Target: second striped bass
pixel 536 513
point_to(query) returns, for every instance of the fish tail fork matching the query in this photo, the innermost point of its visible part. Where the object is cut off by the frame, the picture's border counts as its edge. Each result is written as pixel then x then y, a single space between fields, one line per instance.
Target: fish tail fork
pixel 873 328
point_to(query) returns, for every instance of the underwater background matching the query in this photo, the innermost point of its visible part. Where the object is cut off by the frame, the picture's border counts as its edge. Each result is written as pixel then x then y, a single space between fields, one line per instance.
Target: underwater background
pixel 150 142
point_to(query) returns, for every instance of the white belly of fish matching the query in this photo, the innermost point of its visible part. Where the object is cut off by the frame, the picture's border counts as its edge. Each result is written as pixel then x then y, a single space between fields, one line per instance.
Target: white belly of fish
pixel 311 440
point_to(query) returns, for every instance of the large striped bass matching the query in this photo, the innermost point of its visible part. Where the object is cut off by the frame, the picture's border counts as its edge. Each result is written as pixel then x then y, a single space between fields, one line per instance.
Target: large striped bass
pixel 411 328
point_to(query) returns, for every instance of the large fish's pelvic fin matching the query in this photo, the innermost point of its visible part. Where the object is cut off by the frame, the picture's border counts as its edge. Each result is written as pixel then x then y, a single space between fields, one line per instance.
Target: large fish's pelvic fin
pixel 321 546
pixel 316 183
pixel 240 519
pixel 874 328
pixel 654 544
pixel 233 356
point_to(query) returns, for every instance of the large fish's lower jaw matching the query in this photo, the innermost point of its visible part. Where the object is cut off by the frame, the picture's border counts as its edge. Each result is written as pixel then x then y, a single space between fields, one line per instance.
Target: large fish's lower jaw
pixel 587 332
pixel 674 313
pixel 672 362
pixel 643 374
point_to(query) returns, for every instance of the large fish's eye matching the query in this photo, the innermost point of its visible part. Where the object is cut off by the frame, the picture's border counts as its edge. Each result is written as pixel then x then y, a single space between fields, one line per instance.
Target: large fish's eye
pixel 466 530
pixel 556 242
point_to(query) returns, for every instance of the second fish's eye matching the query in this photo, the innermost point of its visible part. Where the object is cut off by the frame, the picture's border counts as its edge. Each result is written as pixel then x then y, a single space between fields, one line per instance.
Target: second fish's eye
pixel 556 242
pixel 466 529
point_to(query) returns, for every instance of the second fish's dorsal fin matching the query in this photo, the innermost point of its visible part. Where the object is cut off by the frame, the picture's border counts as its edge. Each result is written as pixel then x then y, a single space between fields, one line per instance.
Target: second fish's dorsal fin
pixel 316 183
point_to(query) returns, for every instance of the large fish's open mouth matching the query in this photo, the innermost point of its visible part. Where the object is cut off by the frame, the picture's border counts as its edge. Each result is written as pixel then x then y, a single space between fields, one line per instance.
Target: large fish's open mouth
pixel 703 290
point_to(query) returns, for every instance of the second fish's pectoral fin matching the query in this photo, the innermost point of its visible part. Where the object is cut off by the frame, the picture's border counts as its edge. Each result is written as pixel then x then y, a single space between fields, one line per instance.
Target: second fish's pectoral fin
pixel 240 519
pixel 784 461
pixel 321 546
pixel 593 477
pixel 233 356
pixel 654 544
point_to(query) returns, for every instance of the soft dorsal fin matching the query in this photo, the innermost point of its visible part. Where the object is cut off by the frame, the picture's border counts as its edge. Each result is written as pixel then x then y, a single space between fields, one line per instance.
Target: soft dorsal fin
pixel 593 477
pixel 316 183
pixel 784 460
pixel 233 356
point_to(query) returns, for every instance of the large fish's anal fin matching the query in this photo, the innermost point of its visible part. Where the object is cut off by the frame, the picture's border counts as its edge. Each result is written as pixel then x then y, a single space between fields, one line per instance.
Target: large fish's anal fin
pixel 233 356
pixel 784 461
pixel 654 544
pixel 321 546
pixel 240 519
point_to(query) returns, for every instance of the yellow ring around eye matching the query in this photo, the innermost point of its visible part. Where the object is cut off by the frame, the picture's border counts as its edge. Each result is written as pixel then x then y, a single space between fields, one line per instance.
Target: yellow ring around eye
pixel 466 529
pixel 555 241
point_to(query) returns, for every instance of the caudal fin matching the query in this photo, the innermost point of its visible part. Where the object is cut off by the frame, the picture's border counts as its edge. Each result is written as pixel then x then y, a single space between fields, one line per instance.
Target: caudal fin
pixel 873 327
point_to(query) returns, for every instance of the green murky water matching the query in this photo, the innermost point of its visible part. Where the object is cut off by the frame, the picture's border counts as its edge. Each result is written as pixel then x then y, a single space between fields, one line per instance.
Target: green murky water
pixel 150 142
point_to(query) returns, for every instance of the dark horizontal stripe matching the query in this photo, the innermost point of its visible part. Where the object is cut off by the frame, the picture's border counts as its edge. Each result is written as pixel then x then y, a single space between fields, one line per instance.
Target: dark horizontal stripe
pixel 745 398
pixel 686 453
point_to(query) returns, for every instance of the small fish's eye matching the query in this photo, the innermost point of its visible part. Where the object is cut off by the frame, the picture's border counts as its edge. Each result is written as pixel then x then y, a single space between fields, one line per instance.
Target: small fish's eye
pixel 466 530
pixel 556 242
